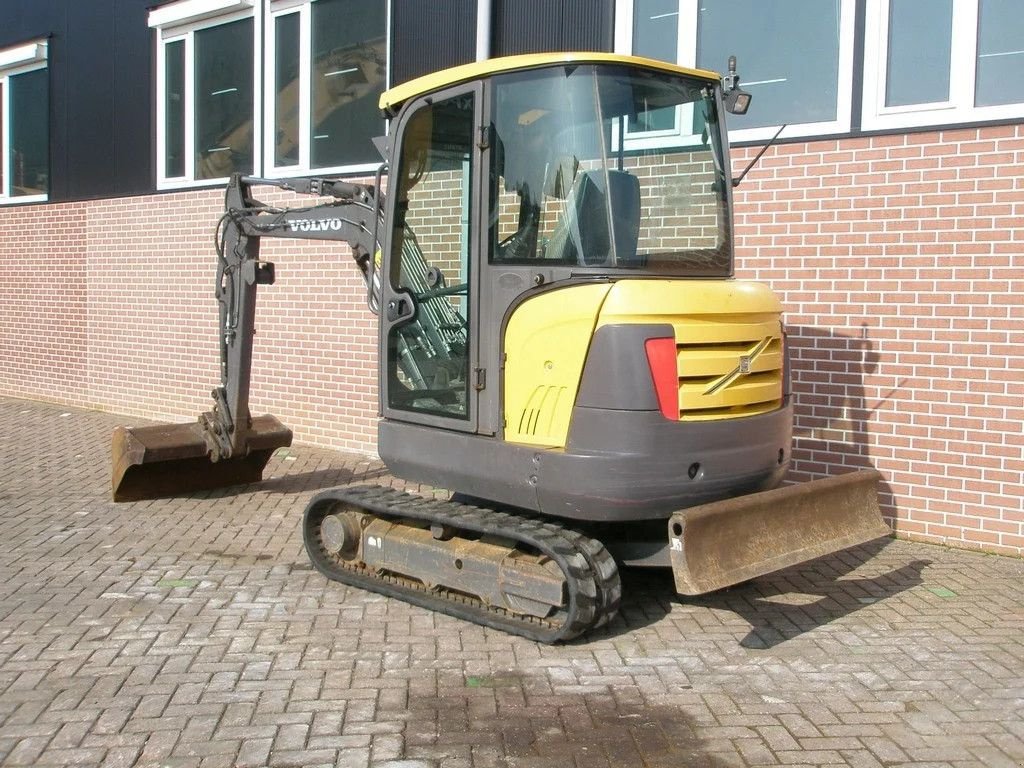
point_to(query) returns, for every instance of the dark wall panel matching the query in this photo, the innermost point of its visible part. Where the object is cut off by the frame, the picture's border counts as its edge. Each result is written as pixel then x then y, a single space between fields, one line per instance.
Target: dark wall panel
pixel 536 26
pixel 89 100
pixel 134 99
pixel 428 36
pixel 101 70
pixel 24 21
pixel 100 73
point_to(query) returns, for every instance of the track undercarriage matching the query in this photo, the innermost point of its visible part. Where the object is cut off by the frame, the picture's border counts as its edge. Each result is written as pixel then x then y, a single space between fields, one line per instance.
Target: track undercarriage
pixel 503 570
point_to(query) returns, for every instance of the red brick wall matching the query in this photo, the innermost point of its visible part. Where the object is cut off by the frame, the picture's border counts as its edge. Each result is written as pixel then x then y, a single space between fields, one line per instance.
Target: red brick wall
pixel 109 304
pixel 898 258
pixel 900 261
pixel 43 294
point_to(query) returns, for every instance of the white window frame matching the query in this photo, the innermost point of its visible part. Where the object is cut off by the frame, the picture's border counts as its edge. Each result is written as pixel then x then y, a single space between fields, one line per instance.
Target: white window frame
pixel 277 9
pixel 959 108
pixel 180 21
pixel 16 60
pixel 686 56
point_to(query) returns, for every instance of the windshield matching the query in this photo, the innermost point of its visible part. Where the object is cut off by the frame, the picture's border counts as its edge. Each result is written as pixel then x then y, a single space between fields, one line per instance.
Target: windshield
pixel 611 167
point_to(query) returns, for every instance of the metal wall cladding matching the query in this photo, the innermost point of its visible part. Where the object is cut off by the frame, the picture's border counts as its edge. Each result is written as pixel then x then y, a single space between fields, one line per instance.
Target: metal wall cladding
pixel 536 26
pixel 100 63
pixel 101 70
pixel 428 36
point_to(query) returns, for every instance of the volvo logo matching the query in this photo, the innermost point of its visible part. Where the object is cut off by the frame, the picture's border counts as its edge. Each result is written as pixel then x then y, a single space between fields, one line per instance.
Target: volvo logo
pixel 744 368
pixel 306 225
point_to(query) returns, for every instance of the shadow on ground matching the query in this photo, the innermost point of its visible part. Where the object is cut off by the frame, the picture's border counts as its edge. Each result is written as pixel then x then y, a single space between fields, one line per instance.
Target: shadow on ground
pixel 298 482
pixel 780 606
pixel 320 479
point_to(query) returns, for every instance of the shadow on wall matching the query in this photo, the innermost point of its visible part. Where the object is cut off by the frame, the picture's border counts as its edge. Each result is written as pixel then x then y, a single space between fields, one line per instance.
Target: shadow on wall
pixel 832 412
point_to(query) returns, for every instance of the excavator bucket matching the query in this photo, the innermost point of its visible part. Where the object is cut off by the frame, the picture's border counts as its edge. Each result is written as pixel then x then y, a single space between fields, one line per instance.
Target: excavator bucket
pixel 727 542
pixel 173 459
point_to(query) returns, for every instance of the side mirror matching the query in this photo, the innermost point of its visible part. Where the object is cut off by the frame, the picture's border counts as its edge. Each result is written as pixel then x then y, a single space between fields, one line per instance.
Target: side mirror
pixel 737 101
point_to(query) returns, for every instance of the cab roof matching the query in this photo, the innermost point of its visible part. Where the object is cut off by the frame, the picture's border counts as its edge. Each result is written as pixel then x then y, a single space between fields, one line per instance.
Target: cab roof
pixel 393 98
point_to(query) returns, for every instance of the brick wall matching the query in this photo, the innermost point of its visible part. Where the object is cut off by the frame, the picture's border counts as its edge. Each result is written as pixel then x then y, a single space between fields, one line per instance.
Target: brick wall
pixel 43 295
pixel 900 261
pixel 898 258
pixel 109 304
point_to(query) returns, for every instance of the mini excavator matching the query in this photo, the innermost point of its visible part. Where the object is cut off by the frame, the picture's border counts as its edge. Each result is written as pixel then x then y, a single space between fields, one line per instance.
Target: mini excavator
pixel 562 345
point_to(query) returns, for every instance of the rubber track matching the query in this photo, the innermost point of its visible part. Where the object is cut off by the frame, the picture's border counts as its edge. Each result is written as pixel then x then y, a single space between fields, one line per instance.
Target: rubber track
pixel 609 587
pixel 590 572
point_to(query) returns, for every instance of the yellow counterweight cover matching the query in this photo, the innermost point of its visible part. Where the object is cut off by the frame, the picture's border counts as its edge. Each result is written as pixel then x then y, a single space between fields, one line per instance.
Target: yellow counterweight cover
pixel 729 347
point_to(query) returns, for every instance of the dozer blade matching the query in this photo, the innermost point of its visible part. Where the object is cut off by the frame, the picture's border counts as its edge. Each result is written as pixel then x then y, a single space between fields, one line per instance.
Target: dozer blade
pixel 172 459
pixel 727 542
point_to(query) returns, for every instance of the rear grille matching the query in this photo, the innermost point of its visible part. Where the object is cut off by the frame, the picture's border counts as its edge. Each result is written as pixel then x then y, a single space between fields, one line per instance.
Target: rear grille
pixel 734 370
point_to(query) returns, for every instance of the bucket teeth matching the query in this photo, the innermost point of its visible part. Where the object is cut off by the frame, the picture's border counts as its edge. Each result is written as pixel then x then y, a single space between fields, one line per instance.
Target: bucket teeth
pixel 172 459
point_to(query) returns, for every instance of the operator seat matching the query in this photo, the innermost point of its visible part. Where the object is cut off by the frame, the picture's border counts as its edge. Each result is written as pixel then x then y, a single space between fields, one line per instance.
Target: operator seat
pixel 582 236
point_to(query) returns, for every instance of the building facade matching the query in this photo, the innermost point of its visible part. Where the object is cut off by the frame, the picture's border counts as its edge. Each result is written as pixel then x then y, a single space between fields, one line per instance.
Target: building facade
pixel 888 214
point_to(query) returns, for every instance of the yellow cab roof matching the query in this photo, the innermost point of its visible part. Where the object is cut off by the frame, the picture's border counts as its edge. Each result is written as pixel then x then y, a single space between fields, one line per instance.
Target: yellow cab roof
pixel 391 99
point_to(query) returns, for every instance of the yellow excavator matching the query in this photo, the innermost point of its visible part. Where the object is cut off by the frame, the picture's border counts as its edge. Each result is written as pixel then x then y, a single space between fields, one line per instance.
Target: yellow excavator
pixel 562 345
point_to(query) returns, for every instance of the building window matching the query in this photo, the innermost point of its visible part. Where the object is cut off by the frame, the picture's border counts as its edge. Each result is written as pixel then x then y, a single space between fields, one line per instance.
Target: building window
pixel 324 63
pixel 327 67
pixel 919 44
pixel 805 86
pixel 206 90
pixel 24 123
pixel 941 62
pixel 926 62
pixel 1000 54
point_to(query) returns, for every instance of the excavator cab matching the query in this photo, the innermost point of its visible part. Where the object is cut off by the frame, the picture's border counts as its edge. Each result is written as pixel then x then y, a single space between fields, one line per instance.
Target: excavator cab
pixel 562 344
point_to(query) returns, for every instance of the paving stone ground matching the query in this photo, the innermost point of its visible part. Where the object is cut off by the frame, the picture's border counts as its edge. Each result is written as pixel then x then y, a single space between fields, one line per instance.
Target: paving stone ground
pixel 192 633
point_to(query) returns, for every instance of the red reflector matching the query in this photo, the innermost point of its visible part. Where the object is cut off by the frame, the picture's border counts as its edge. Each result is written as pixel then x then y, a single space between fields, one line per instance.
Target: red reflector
pixel 661 357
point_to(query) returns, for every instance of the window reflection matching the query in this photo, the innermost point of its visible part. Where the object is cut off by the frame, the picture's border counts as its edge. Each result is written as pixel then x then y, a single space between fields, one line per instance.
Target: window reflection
pixel 1000 53
pixel 920 42
pixel 287 85
pixel 224 99
pixel 29 133
pixel 3 185
pixel 349 71
pixel 174 109
pixel 791 83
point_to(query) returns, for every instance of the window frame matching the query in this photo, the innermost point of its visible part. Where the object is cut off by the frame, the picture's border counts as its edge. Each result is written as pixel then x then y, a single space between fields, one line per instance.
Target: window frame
pixel 180 22
pixel 16 60
pixel 303 9
pixel 686 55
pixel 277 9
pixel 473 196
pixel 959 108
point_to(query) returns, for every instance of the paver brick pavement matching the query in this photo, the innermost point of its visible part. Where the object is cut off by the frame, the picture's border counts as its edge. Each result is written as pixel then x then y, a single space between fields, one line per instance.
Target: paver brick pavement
pixel 193 633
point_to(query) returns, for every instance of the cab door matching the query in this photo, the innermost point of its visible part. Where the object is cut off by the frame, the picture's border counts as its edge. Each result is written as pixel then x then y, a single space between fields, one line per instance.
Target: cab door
pixel 429 311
